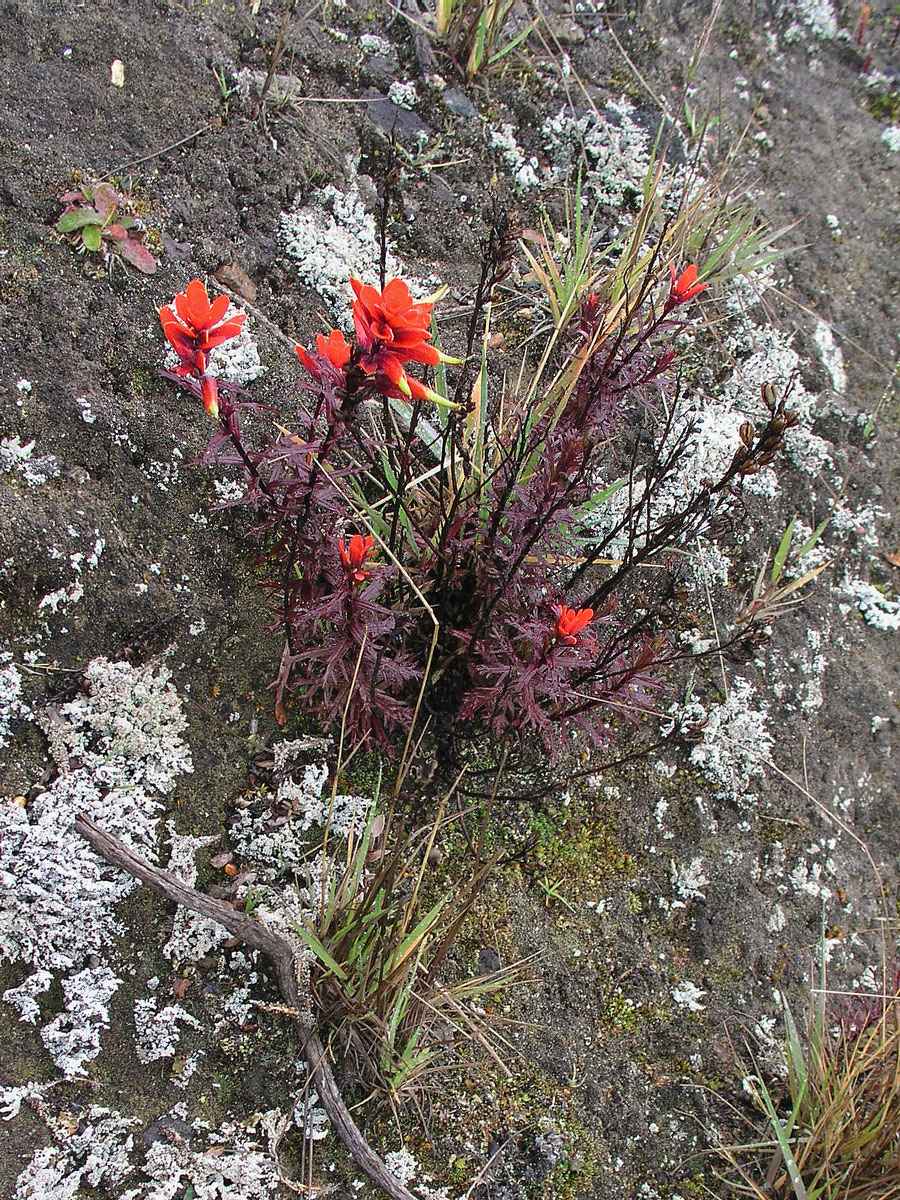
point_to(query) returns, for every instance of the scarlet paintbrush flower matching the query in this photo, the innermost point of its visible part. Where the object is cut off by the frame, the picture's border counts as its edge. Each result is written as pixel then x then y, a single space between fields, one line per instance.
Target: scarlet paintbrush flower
pixel 335 348
pixel 570 622
pixel 684 288
pixel 392 330
pixel 354 557
pixel 202 326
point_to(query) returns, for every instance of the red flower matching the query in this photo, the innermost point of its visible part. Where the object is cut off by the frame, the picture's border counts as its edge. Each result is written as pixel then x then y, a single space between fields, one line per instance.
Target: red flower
pixel 684 288
pixel 570 622
pixel 355 557
pixel 392 330
pixel 202 326
pixel 335 348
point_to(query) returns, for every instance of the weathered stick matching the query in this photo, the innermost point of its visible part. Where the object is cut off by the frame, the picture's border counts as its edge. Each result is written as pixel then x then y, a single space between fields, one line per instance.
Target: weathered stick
pixel 279 952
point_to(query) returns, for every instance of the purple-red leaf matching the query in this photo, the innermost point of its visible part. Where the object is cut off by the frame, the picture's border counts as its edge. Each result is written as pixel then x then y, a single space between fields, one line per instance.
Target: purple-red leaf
pixel 106 200
pixel 137 255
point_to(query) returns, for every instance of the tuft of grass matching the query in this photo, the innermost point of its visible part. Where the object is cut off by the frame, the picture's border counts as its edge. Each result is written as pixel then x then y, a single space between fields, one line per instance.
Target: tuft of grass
pixel 835 1133
pixel 380 934
pixel 474 29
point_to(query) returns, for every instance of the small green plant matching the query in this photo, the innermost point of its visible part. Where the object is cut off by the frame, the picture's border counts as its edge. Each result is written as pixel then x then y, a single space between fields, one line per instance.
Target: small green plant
pixel 551 889
pixel 568 267
pixel 771 596
pixel 93 220
pixel 835 1135
pixel 226 91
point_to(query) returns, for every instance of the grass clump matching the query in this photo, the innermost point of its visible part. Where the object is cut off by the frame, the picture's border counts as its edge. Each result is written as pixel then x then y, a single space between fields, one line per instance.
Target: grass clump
pixel 835 1132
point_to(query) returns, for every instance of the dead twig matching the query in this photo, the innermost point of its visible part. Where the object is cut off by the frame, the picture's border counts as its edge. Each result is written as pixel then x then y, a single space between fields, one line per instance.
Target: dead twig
pixel 288 973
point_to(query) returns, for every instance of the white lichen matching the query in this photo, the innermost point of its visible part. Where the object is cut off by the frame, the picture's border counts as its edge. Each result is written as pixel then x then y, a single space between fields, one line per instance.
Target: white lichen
pixel 72 1038
pixel 193 936
pixel 688 995
pixel 332 237
pixel 208 1163
pixel 524 170
pixel 157 1030
pixel 95 1153
pixel 832 357
pixel 403 94
pixel 877 609
pixel 688 880
pixel 817 15
pixel 734 741
pixel 18 457
pixel 371 43
pixel 23 996
pixel 611 146
pixel 13 705
pixel 117 747
pixel 285 846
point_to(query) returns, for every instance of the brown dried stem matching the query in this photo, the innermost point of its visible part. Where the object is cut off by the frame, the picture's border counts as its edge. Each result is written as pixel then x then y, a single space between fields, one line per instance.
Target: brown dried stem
pixel 288 973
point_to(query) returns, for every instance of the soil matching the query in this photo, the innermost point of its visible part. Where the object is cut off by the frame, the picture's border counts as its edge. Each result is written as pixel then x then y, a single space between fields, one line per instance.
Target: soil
pixel 616 1087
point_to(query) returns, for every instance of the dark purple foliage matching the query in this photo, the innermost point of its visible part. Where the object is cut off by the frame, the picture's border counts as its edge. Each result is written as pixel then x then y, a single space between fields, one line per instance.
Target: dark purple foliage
pixel 489 554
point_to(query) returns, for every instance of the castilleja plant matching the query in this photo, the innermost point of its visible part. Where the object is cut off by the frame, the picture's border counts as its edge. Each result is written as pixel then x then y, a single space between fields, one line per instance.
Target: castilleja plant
pixel 438 546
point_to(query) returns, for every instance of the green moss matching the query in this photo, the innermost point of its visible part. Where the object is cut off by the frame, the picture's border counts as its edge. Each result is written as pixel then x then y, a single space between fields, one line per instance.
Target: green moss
pixel 620 1015
pixel 886 107
pixel 584 853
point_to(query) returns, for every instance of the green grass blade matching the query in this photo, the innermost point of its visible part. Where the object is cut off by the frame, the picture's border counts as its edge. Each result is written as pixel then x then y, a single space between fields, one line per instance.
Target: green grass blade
pixel 813 538
pixel 315 945
pixel 782 552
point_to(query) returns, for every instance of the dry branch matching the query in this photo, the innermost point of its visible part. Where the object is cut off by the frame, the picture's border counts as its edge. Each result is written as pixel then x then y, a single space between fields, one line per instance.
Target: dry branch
pixel 288 974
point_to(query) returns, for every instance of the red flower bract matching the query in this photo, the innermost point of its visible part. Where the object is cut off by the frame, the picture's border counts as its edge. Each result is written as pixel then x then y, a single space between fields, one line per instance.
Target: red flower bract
pixel 685 287
pixel 570 622
pixel 354 557
pixel 335 348
pixel 391 330
pixel 199 327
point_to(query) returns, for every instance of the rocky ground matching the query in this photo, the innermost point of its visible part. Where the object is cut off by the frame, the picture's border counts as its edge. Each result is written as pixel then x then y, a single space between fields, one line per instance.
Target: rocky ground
pixel 664 907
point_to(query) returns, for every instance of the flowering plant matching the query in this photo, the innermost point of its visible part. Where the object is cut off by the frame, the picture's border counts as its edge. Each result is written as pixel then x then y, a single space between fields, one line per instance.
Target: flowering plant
pixel 460 556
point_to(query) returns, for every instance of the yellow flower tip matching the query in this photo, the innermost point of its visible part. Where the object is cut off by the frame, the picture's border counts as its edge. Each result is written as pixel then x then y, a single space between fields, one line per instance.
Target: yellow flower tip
pixel 446 358
pixel 435 296
pixel 403 385
pixel 436 398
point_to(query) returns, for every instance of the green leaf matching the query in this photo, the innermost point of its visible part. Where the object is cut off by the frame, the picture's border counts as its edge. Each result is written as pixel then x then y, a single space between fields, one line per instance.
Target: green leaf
pixel 782 1137
pixel 602 497
pixel 782 552
pixel 402 515
pixel 813 538
pixel 78 218
pixel 440 370
pixel 795 1056
pixel 90 237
